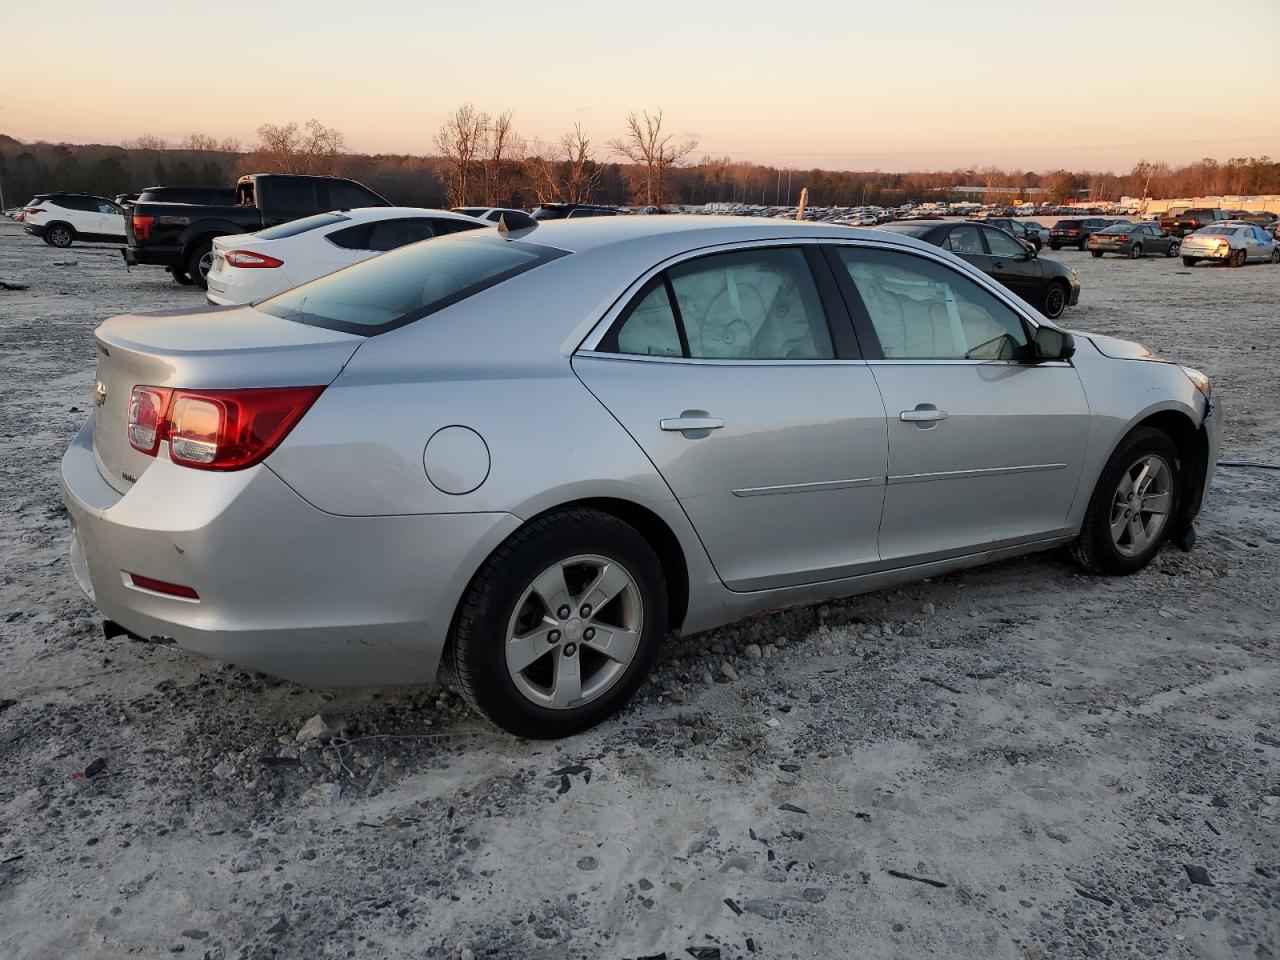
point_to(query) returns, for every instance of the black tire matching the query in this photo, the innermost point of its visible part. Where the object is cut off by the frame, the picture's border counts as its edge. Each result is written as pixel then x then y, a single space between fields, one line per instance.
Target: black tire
pixel 1054 301
pixel 196 265
pixel 1094 549
pixel 1237 258
pixel 1172 249
pixel 476 654
pixel 1135 251
pixel 1189 261
pixel 59 235
pixel 1055 246
pixel 1097 254
pixel 180 277
pixel 1082 244
pixel 1275 254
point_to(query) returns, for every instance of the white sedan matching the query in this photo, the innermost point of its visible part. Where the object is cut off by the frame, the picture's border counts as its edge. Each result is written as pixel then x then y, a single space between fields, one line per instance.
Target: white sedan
pixel 249 267
pixel 1234 242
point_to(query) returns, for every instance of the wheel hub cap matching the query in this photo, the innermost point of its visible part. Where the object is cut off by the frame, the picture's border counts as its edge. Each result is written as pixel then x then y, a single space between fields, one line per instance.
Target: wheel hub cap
pixel 1141 505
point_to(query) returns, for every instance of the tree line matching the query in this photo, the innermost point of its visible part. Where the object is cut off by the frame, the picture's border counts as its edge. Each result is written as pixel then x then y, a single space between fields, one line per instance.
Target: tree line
pixel 482 159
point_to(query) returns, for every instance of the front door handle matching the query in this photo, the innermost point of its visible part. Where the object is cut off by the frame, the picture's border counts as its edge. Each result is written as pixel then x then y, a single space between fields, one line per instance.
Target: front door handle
pixel 686 422
pixel 925 413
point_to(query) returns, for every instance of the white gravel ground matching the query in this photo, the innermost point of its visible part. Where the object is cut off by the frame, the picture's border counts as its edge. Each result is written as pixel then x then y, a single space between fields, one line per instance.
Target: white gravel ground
pixel 1054 751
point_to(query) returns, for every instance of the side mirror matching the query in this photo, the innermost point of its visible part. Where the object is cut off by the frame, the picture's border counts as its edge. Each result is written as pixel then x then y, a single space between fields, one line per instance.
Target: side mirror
pixel 1052 344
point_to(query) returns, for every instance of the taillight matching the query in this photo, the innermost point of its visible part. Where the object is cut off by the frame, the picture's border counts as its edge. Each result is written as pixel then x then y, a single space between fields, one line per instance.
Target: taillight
pixel 1073 229
pixel 217 429
pixel 147 408
pixel 1122 237
pixel 31 210
pixel 247 258
pixel 142 226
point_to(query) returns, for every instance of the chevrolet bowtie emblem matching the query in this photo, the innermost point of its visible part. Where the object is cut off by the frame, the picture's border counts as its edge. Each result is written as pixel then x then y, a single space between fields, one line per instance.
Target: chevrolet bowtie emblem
pixel 99 394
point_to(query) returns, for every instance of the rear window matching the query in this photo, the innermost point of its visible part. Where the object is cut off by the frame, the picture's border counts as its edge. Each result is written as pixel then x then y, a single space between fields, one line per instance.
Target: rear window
pixel 1069 223
pixel 405 285
pixel 1218 231
pixel 295 227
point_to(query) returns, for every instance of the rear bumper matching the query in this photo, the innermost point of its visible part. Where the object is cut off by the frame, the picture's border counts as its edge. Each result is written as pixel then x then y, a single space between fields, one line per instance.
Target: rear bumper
pixel 1206 253
pixel 35 229
pixel 151 256
pixel 284 588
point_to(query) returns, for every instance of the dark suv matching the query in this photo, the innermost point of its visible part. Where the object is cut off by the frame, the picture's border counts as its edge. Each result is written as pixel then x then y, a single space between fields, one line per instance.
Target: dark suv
pixel 1180 224
pixel 1075 233
pixel 565 211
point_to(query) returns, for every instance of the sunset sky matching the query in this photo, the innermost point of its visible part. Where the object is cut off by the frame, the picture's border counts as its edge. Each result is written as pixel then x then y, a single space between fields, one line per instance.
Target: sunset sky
pixel 908 84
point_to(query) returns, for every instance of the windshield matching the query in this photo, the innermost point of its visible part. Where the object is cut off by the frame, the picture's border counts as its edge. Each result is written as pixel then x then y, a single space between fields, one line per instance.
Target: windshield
pixel 407 284
pixel 295 227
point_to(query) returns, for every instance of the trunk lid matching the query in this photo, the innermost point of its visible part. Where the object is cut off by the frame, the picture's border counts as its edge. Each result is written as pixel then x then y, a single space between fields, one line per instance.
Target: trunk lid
pixel 199 349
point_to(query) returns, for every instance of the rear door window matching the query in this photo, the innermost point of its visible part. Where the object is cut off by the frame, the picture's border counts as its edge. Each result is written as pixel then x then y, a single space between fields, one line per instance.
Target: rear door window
pixel 393 234
pixel 1003 245
pixel 965 239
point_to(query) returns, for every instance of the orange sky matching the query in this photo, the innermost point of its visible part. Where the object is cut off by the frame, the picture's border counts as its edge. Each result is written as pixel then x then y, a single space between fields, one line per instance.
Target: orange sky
pixel 911 84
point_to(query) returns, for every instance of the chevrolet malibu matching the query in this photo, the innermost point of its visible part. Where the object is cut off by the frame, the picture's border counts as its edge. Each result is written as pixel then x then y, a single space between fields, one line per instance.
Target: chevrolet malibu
pixel 535 454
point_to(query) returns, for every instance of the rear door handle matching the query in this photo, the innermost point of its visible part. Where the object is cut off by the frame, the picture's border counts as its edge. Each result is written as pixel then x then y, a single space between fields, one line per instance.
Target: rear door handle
pixel 923 413
pixel 681 423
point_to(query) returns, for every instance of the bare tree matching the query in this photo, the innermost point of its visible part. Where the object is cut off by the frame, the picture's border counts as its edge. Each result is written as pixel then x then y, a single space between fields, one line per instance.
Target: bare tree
pixel 145 141
pixel 503 152
pixel 646 145
pixel 565 171
pixel 461 139
pixel 210 144
pixel 287 149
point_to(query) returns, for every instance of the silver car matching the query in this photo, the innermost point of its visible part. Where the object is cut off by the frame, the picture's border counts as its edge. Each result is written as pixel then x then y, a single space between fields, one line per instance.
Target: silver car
pixel 535 454
pixel 1233 242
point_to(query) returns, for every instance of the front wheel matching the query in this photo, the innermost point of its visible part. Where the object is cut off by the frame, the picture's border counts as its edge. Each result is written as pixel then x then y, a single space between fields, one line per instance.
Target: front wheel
pixel 1189 261
pixel 1135 251
pixel 1172 249
pixel 1054 301
pixel 1082 243
pixel 1275 254
pixel 1128 515
pixel 561 625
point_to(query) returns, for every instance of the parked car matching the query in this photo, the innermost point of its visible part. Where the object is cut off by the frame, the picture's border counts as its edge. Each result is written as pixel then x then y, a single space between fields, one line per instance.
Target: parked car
pixel 60 219
pixel 1018 229
pixel 392 465
pixel 1230 242
pixel 1047 285
pixel 248 267
pixel 179 236
pixel 567 211
pixel 1075 233
pixel 1261 218
pixel 1038 229
pixel 1133 240
pixel 1188 221
pixel 493 214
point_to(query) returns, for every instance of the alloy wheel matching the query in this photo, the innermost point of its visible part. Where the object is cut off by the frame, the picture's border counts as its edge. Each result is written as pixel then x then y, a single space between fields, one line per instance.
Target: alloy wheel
pixel 574 632
pixel 1141 504
pixel 206 263
pixel 60 237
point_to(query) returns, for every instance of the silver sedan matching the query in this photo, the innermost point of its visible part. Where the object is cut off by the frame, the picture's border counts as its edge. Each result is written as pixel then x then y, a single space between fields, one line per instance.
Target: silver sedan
pixel 535 454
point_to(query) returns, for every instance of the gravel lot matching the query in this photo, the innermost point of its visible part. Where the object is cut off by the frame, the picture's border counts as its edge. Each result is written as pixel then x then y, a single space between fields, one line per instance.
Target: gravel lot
pixel 1015 762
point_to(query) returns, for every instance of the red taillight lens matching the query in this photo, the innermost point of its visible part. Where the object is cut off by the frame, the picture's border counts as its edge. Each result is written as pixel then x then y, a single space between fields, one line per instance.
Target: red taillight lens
pixel 1073 229
pixel 142 226
pixel 247 258
pixel 1122 237
pixel 163 586
pixel 216 429
pixel 31 210
pixel 147 409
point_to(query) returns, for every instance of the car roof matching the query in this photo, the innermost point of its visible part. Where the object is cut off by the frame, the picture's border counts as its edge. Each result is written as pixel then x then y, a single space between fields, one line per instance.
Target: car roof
pixel 367 214
pixel 680 233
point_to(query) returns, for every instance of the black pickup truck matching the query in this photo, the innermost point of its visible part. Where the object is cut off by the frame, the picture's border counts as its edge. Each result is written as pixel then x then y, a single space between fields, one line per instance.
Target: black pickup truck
pixel 1189 221
pixel 179 236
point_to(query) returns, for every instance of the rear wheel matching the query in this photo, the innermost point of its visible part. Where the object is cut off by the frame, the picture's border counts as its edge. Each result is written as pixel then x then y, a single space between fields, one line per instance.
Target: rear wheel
pixel 1189 261
pixel 561 625
pixel 1128 516
pixel 180 277
pixel 1083 241
pixel 59 235
pixel 1097 254
pixel 200 262
pixel 1238 258
pixel 1135 251
pixel 1055 246
pixel 1054 300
